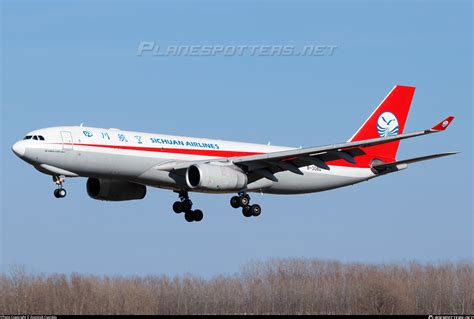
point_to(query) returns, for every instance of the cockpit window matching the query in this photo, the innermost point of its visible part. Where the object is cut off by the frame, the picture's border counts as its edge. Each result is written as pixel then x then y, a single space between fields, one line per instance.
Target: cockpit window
pixel 34 137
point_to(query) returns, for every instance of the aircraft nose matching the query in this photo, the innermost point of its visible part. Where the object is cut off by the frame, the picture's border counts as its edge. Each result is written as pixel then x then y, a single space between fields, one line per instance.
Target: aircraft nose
pixel 19 148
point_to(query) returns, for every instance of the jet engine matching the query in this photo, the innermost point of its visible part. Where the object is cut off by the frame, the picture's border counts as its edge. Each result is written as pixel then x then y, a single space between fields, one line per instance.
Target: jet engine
pixel 113 190
pixel 213 177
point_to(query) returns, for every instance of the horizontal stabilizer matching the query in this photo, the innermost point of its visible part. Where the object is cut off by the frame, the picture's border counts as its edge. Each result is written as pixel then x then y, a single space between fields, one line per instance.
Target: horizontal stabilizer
pixel 395 166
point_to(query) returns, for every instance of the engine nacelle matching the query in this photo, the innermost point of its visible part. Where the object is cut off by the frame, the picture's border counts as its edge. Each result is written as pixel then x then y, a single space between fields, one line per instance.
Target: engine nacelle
pixel 112 190
pixel 215 177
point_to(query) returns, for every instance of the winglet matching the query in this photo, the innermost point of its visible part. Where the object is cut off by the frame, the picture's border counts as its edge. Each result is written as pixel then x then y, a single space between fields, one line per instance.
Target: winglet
pixel 441 126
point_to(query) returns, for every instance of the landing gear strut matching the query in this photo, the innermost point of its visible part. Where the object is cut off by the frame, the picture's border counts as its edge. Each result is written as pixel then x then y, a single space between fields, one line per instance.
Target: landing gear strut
pixel 185 205
pixel 243 200
pixel 59 192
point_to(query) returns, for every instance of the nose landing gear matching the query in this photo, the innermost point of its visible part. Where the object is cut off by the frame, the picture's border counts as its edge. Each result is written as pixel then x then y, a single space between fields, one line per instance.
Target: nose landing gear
pixel 59 192
pixel 185 205
pixel 243 200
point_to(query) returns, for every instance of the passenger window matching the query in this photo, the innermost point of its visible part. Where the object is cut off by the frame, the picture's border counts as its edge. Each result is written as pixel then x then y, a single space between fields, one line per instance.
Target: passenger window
pixel 35 137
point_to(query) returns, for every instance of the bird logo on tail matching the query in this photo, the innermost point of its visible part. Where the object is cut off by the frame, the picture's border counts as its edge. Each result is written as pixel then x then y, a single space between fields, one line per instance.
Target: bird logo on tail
pixel 387 124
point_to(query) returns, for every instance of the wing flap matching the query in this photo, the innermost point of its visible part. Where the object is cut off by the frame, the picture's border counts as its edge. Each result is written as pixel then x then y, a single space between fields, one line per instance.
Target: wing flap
pixel 314 160
pixel 287 166
pixel 267 174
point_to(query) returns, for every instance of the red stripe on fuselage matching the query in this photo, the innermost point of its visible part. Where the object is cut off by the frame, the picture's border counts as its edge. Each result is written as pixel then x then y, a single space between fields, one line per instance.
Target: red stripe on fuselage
pixel 201 152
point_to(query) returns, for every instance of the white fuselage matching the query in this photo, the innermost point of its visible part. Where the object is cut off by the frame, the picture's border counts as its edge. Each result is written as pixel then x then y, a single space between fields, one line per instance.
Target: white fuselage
pixel 137 157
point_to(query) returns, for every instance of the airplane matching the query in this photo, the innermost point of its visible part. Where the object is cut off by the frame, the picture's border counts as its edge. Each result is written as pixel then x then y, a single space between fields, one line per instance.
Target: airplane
pixel 120 164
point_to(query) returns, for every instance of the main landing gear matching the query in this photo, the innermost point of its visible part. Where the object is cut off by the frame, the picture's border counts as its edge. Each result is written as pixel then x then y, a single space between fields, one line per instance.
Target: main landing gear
pixel 243 200
pixel 185 205
pixel 59 192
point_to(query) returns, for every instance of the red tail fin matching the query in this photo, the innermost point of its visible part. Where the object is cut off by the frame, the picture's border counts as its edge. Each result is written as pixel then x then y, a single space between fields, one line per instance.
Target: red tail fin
pixel 388 119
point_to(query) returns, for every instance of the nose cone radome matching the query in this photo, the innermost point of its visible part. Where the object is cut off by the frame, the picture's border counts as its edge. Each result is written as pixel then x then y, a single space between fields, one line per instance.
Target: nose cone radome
pixel 19 149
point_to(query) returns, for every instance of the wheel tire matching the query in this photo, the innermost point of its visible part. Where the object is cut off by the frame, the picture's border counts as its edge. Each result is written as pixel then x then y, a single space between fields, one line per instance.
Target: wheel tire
pixel 56 193
pixel 246 211
pixel 62 193
pixel 235 202
pixel 177 207
pixel 189 216
pixel 244 200
pixel 186 205
pixel 198 215
pixel 255 210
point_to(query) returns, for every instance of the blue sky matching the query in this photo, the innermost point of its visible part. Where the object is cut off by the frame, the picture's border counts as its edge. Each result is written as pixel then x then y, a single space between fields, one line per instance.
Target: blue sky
pixel 64 63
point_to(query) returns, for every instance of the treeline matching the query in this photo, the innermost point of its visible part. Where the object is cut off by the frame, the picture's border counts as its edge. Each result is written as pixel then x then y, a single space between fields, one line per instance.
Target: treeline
pixel 289 286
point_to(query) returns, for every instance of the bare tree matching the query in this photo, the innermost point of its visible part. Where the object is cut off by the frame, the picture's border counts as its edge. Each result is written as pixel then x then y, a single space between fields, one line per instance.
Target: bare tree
pixel 278 286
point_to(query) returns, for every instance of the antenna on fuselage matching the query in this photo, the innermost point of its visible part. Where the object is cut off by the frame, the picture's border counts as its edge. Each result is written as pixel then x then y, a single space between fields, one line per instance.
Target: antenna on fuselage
pixel 81 125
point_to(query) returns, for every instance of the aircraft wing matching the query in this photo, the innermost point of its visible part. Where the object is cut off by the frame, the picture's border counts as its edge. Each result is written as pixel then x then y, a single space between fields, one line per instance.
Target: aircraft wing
pixel 269 163
pixel 265 165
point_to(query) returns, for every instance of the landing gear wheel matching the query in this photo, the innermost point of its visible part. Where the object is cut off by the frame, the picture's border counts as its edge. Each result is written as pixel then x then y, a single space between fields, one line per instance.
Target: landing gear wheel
pixel 244 200
pixel 186 205
pixel 198 215
pixel 177 207
pixel 62 193
pixel 189 216
pixel 246 211
pixel 59 192
pixel 255 210
pixel 235 202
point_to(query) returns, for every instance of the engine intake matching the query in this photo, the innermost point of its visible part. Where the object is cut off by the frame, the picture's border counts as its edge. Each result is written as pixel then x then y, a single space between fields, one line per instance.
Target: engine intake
pixel 113 190
pixel 215 177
